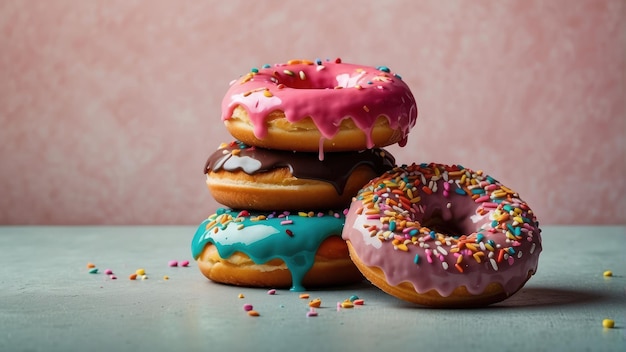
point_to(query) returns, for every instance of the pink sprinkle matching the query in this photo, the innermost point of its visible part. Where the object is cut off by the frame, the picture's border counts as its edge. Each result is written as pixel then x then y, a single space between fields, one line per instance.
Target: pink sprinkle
pixel 286 222
pixel 481 199
pixel 446 186
pixel 247 307
pixel 172 263
pixel 338 306
pixel 108 271
pixel 184 263
pixel 359 302
pixel 511 260
pixel 113 277
pixel 428 255
pixel 271 292
pixel 311 313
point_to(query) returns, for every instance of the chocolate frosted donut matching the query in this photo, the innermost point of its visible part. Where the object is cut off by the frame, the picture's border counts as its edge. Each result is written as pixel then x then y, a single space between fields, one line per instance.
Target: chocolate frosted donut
pixel 246 177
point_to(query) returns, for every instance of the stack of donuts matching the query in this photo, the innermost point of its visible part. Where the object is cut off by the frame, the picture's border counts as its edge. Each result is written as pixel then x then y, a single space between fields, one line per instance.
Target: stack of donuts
pixel 311 199
pixel 307 136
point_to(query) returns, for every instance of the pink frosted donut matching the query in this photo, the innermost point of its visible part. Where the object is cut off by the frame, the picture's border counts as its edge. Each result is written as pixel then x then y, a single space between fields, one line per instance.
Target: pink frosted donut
pixel 316 106
pixel 442 236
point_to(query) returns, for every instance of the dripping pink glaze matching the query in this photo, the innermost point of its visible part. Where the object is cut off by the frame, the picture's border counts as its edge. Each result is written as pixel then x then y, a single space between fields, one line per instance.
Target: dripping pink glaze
pixel 429 273
pixel 327 92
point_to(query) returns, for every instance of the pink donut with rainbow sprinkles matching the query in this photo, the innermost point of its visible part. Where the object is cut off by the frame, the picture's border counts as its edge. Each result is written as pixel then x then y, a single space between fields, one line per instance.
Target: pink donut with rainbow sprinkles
pixel 442 236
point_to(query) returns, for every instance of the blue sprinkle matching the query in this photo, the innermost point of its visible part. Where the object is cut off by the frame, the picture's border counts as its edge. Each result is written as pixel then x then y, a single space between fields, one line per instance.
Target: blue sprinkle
pixel 353 298
pixel 416 259
pixel 478 191
pixel 318 61
pixel 490 179
pixel 518 231
pixel 511 250
pixel 413 232
pixel 397 76
pixel 383 68
pixel 254 70
pixel 494 223
pixel 479 237
pixel 460 191
pixel 510 227
pixel 392 226
pixel 460 167
pixel 491 243
pixel 370 82
pixel 432 234
pixel 507 207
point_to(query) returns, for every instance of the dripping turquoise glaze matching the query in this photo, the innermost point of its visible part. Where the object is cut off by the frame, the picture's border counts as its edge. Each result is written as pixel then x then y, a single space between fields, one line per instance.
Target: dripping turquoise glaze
pixel 264 240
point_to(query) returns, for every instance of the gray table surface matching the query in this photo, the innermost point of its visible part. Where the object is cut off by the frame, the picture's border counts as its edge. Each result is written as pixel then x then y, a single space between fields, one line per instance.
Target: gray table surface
pixel 49 301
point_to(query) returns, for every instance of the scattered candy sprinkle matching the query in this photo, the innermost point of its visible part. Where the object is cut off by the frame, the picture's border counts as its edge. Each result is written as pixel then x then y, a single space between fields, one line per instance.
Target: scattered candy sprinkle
pixel 91 265
pixel 140 272
pixel 165 277
pixel 347 304
pixel 608 273
pixel 304 295
pixel 132 276
pixel 172 263
pixel 311 313
pixel 358 302
pixel 144 277
pixel 253 313
pixel 271 292
pixel 184 263
pixel 93 270
pixel 241 295
pixel 608 323
pixel 108 271
pixel 316 303
pixel 247 307
pixel 353 298
pixel 113 277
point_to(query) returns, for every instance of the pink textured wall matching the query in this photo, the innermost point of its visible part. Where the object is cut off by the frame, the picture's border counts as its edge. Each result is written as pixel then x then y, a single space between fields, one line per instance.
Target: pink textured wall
pixel 109 109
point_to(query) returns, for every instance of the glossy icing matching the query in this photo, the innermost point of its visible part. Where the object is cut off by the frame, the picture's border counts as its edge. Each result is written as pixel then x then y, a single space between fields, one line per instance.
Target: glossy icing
pixel 440 227
pixel 291 237
pixel 335 169
pixel 327 92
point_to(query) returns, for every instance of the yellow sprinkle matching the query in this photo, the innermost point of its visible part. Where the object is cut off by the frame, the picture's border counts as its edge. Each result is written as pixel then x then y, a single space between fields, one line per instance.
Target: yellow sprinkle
pixel 477 256
pixel 608 273
pixel 302 75
pixel 316 303
pixel 144 277
pixel 287 72
pixel 347 304
pixel 268 94
pixel 140 272
pixel 304 214
pixel 241 295
pixel 608 323
pixel 403 247
pixel 166 277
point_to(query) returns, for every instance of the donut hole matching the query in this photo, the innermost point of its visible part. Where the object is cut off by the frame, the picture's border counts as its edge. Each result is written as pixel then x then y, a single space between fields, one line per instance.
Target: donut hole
pixel 436 222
